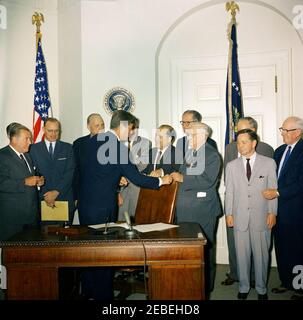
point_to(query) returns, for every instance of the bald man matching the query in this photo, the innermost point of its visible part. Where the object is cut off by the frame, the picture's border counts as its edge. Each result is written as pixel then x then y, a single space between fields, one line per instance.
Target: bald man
pixel 95 125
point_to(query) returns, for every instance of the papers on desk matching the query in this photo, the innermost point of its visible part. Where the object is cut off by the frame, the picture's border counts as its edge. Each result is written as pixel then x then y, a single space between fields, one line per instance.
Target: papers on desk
pixel 141 227
pixel 57 213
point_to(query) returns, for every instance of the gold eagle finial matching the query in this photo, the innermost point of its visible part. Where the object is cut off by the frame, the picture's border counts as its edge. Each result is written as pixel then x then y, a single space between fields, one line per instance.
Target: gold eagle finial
pixel 37 18
pixel 233 8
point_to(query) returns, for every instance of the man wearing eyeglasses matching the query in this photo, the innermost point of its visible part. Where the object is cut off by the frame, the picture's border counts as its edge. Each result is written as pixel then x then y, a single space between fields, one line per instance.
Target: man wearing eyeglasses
pixel 288 232
pixel 189 119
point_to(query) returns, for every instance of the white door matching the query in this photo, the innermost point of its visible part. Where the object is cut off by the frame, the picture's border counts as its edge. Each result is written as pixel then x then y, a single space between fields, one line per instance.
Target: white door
pixel 200 83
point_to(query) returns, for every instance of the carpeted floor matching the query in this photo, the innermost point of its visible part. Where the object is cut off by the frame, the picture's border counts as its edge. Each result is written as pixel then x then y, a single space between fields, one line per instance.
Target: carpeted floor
pixel 228 292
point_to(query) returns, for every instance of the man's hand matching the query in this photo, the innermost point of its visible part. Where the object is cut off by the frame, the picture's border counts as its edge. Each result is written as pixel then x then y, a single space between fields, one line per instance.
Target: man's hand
pixel 270 194
pixel 50 197
pixel 156 173
pixel 40 181
pixel 167 179
pixel 230 221
pixel 271 220
pixel 32 181
pixel 123 182
pixel 176 176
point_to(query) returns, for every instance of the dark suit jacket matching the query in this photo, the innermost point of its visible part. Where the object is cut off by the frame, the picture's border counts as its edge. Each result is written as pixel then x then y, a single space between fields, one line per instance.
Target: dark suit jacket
pixel 58 172
pixel 290 186
pixel 231 151
pixel 80 151
pixel 167 162
pixel 106 162
pixel 182 145
pixel 18 203
pixel 198 199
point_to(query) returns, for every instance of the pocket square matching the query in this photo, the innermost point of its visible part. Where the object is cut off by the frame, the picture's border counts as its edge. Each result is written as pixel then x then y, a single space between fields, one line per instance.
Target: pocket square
pixel 61 159
pixel 261 177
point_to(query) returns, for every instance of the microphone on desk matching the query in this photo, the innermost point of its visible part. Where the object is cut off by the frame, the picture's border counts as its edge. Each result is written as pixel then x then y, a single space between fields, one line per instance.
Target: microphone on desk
pixel 129 232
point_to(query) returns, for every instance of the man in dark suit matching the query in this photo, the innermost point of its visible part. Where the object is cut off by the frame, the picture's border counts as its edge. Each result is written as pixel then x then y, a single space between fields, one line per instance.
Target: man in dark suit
pixel 189 119
pixel 107 161
pixel 18 184
pixel 163 156
pixel 231 153
pixel 198 199
pixel 95 125
pixel 288 235
pixel 54 160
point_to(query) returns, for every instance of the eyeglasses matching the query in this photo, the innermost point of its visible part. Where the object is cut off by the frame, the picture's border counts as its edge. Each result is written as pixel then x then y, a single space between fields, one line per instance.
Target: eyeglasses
pixel 187 123
pixel 286 130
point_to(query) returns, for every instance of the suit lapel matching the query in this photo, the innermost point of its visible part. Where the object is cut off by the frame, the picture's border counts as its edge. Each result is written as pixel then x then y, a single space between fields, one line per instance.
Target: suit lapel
pixel 293 156
pixel 256 168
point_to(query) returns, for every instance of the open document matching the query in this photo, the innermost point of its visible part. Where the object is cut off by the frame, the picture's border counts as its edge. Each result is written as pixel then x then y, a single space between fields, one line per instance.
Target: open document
pixel 141 227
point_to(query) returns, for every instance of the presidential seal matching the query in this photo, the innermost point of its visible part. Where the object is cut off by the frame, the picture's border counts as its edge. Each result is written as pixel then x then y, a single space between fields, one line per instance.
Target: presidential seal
pixel 119 99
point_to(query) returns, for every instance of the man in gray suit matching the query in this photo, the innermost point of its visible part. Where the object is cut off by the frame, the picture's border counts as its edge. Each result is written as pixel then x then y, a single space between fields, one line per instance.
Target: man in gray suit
pixel 128 197
pixel 231 153
pixel 18 183
pixel 249 213
pixel 198 199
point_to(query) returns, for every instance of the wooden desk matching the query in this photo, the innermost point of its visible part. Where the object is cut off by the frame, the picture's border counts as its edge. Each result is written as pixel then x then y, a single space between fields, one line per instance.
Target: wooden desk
pixel 175 260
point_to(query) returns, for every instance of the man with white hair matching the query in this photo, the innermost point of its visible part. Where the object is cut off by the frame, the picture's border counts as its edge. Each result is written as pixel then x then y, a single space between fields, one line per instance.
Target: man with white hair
pixel 198 199
pixel 288 233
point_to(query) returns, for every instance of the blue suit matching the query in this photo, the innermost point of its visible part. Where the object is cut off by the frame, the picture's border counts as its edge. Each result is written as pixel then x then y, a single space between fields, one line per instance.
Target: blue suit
pixel 106 162
pixel 98 191
pixel 80 151
pixel 58 171
pixel 288 232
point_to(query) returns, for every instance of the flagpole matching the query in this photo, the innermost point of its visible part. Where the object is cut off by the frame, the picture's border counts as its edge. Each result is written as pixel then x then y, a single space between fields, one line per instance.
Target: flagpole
pixel 37 18
pixel 233 8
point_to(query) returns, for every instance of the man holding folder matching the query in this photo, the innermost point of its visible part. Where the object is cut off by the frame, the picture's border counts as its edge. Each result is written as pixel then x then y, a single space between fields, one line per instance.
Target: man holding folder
pixel 53 159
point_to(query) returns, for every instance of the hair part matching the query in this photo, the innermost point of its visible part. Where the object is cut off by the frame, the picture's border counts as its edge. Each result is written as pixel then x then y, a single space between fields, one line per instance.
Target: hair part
pixel 171 132
pixel 252 122
pixel 53 120
pixel 15 130
pixel 121 115
pixel 93 115
pixel 196 115
pixel 251 134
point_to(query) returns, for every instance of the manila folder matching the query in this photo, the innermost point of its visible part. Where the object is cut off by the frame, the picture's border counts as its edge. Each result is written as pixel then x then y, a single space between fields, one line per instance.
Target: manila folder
pixel 57 213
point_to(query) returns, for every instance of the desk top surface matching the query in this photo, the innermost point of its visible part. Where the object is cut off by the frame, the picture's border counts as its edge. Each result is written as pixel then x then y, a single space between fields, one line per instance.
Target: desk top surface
pixel 36 237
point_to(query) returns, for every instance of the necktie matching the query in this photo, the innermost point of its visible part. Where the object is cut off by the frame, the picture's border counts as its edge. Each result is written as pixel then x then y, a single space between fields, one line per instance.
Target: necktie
pixel 24 161
pixel 248 169
pixel 158 158
pixel 285 159
pixel 51 150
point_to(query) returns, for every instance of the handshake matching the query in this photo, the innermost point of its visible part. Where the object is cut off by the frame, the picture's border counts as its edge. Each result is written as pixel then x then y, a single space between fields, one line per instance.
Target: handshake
pixel 169 178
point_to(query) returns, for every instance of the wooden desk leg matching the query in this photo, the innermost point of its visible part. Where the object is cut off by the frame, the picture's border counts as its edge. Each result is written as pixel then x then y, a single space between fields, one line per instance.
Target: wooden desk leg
pixel 32 283
pixel 176 282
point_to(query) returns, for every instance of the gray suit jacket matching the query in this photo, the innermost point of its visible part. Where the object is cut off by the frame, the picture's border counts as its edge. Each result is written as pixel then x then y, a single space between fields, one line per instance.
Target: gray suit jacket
pixel 244 199
pixel 231 151
pixel 18 202
pixel 198 199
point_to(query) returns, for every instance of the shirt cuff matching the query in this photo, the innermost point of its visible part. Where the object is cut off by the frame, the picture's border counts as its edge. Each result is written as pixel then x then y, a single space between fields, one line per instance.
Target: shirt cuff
pixel 160 182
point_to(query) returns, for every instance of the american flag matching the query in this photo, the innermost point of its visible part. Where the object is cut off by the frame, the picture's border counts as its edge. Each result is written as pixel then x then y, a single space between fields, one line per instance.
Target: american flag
pixel 42 101
pixel 234 105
